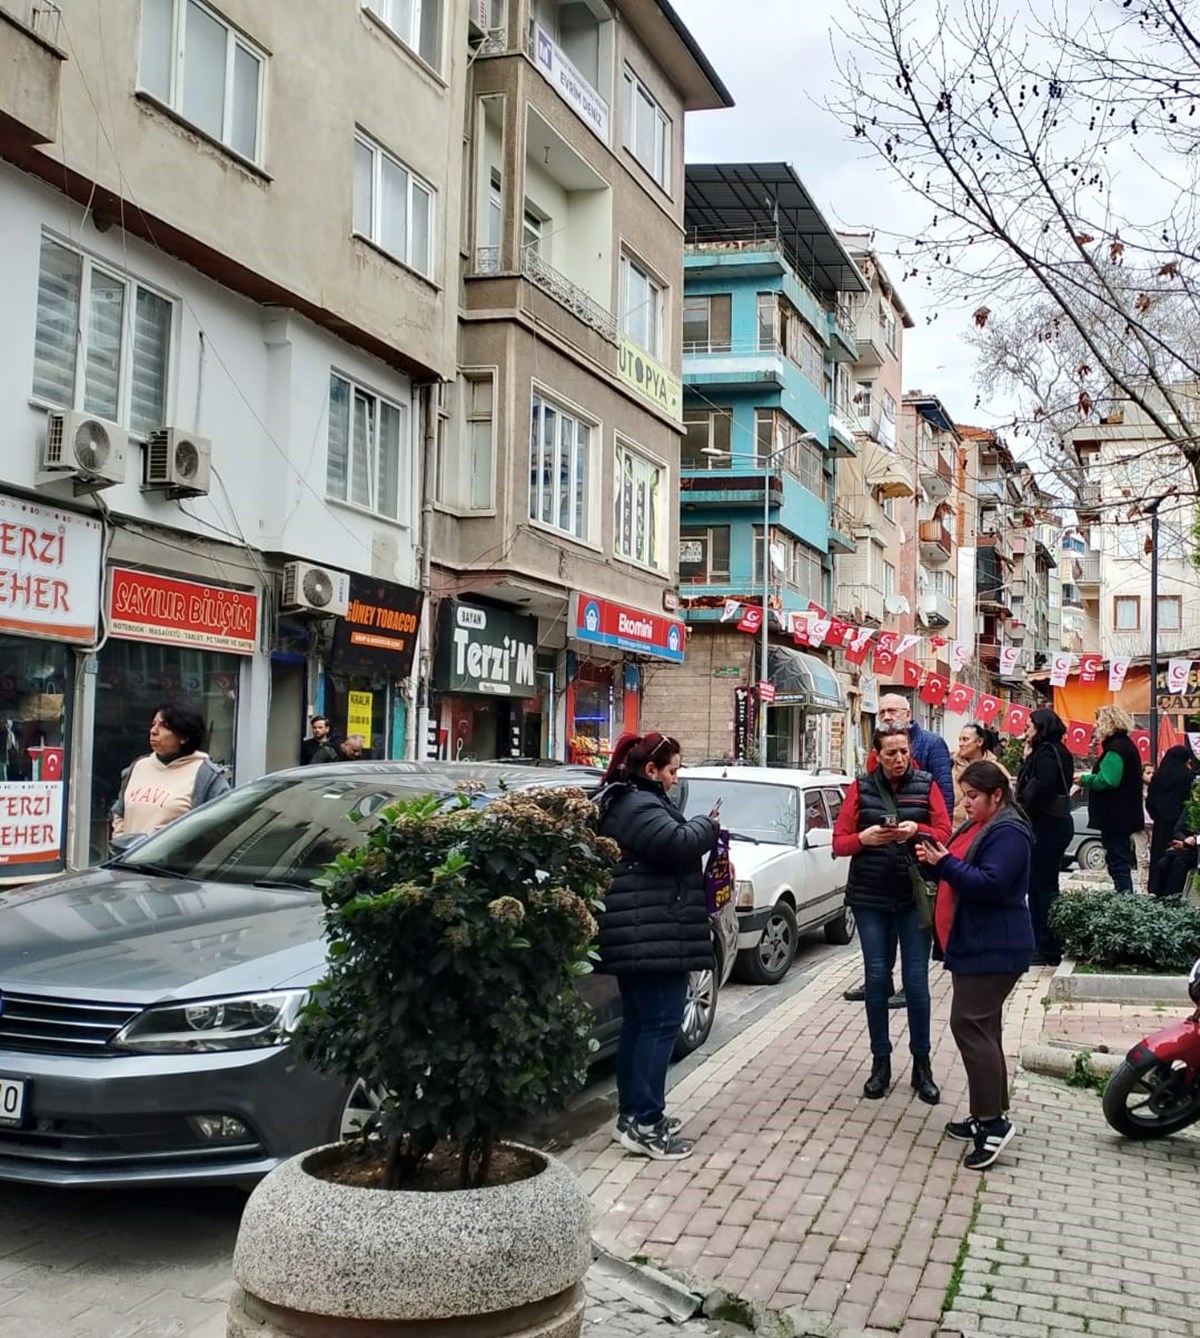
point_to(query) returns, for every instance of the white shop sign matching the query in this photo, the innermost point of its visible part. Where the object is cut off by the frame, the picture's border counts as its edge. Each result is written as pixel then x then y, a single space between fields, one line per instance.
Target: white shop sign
pixel 572 87
pixel 49 571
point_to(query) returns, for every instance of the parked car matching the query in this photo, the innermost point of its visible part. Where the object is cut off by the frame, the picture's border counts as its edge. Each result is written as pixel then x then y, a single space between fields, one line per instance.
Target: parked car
pixel 1085 850
pixel 788 881
pixel 145 1005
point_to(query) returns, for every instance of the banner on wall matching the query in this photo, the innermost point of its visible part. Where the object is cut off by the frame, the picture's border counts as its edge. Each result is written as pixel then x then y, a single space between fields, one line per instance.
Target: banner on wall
pixel 31 819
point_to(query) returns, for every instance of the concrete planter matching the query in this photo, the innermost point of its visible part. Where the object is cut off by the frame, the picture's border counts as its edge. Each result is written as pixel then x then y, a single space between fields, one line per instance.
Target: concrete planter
pixel 1068 986
pixel 313 1257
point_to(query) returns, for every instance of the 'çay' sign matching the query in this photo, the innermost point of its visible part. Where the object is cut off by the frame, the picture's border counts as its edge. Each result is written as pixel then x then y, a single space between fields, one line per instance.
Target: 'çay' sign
pixel 485 650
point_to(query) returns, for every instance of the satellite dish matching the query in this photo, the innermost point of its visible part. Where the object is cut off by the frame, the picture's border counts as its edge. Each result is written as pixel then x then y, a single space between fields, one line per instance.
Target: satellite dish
pixel 895 604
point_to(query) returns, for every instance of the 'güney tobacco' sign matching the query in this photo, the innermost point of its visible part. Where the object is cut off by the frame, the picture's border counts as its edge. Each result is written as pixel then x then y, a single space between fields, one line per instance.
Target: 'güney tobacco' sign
pixel 379 632
pixel 484 650
pixel 145 607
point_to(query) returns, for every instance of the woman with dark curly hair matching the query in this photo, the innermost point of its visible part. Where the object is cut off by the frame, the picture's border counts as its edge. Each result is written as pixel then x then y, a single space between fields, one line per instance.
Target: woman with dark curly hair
pixel 172 779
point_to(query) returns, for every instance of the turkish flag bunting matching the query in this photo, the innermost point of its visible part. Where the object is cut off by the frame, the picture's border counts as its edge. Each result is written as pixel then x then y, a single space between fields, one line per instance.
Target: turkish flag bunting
pixel 1089 667
pixel 987 708
pixel 887 640
pixel 934 689
pixel 884 661
pixel 959 699
pixel 1079 737
pixel 938 642
pixel 1141 741
pixel 1015 719
pixel 751 620
pixel 800 632
pixel 818 630
pixel 912 673
pixel 814 607
pixel 859 645
pixel 836 636
pixel 906 642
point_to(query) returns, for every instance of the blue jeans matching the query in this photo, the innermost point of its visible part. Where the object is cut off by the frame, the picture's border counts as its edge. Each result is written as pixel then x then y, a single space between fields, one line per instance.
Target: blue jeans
pixel 652 1010
pixel 879 933
pixel 1118 855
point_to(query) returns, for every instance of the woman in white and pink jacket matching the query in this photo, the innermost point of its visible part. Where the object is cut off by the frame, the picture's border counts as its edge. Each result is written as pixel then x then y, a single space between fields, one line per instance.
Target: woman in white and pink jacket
pixel 172 779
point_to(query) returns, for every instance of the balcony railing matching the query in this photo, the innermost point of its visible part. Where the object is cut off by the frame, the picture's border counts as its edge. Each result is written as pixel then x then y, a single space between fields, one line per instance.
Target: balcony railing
pixel 1086 569
pixel 842 519
pixel 861 603
pixel 568 294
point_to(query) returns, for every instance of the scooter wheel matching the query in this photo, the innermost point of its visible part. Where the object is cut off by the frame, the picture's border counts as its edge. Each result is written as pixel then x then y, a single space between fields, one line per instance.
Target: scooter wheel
pixel 1150 1100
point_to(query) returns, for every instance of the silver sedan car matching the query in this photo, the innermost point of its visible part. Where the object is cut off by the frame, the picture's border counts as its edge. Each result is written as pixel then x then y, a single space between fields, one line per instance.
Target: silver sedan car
pixel 145 1005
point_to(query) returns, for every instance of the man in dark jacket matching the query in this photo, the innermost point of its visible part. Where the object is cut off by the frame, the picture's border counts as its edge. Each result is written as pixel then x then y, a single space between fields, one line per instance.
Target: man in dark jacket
pixel 1116 805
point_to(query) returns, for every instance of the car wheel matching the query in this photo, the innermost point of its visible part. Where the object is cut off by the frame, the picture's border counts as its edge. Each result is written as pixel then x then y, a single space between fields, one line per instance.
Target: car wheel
pixel 1090 855
pixel 842 930
pixel 771 958
pixel 699 1009
pixel 359 1112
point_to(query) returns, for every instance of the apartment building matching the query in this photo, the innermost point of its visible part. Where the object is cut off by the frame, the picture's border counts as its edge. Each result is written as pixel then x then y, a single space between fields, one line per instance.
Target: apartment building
pixel 552 477
pixel 225 270
pixel 766 325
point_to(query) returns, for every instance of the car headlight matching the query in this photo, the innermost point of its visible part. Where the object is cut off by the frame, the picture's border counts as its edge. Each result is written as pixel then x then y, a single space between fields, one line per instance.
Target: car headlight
pixel 199 1026
pixel 743 896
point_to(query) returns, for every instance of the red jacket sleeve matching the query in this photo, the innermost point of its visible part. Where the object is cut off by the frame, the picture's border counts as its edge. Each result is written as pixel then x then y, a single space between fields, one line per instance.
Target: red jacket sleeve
pixel 940 825
pixel 845 829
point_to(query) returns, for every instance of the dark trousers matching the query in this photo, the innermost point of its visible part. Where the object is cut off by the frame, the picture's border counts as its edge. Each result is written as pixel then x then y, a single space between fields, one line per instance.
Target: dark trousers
pixel 1160 844
pixel 880 933
pixel 652 1010
pixel 1171 872
pixel 1051 836
pixel 1118 855
pixel 976 1023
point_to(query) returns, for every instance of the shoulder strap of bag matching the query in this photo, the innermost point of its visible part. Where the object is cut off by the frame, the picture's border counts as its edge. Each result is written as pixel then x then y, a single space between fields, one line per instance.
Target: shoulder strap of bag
pixel 885 793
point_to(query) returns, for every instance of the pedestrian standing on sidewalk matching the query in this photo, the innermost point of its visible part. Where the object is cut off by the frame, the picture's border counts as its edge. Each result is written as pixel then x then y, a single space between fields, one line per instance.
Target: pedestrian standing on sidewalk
pixel 654 930
pixel 984 936
pixel 976 743
pixel 1169 789
pixel 883 814
pixel 1115 801
pixel 1044 792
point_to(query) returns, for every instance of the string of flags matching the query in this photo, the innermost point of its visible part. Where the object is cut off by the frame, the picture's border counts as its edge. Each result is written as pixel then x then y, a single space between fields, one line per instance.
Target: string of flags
pixel 815 628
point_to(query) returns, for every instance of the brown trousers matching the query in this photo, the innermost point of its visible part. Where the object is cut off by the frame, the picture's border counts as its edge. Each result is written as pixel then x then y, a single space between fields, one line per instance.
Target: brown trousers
pixel 976 1023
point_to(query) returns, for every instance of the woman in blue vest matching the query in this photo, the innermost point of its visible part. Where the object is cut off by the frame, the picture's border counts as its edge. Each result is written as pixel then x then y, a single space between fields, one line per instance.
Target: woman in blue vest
pixel 884 812
pixel 1116 804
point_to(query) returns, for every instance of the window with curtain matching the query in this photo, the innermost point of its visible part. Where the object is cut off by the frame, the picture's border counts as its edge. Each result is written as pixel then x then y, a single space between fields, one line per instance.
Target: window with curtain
pixel 102 341
pixel 559 467
pixel 203 68
pixel 640 485
pixel 367 451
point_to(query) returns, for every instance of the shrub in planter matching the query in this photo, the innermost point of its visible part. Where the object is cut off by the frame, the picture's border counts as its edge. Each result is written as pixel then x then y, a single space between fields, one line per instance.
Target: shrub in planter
pixel 1127 933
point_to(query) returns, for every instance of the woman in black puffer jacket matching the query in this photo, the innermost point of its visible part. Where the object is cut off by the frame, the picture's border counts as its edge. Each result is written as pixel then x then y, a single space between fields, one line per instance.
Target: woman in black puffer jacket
pixel 653 931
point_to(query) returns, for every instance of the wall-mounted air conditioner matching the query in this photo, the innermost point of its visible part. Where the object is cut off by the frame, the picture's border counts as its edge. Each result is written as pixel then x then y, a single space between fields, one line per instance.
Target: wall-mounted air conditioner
pixel 311 589
pixel 176 462
pixel 89 451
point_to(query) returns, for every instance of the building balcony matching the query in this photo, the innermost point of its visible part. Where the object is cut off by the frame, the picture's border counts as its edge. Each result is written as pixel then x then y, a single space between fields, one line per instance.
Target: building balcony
pixel 936 472
pixel 934 609
pixel 997 543
pixel 860 604
pixel 1085 568
pixel 748 369
pixel 843 346
pixel 868 340
pixel 729 488
pixel 567 294
pixel 1087 499
pixel 1015 632
pixel 936 545
pixel 841 530
pixel 842 428
pixel 30 70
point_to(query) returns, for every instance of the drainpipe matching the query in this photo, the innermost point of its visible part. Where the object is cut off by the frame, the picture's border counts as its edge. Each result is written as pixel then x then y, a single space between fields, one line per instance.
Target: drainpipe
pixel 417 746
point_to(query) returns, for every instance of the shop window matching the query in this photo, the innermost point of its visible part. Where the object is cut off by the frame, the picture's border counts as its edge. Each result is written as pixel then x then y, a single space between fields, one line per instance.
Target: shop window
pixel 591 724
pixel 358 704
pixel 640 486
pixel 133 679
pixel 35 692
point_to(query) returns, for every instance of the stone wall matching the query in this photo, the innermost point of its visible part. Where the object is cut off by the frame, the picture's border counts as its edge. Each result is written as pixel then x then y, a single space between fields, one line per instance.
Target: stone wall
pixel 695 701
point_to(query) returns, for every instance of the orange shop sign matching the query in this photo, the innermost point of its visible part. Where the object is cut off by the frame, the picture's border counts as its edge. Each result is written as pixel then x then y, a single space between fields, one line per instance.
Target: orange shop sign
pixel 143 606
pixel 49 571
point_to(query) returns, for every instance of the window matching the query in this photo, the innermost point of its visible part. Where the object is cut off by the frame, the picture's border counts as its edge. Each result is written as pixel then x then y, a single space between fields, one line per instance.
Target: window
pixel 1128 543
pixel 889 579
pixel 806 572
pixel 559 446
pixel 1127 611
pixel 942 583
pixel 863 397
pixel 1170 613
pixel 495 213
pixel 647 131
pixel 392 207
pixel 887 322
pixel 704 555
pixel 204 69
pixel 102 342
pixel 640 487
pixel 641 306
pixel 479 397
pixel 706 430
pixel 812 466
pixel 368 448
pixel 706 322
pixel 816 817
pixel 767 308
pixel 417 23
pixel 532 231
pixel 805 459
pixel 1173 541
pixel 834 799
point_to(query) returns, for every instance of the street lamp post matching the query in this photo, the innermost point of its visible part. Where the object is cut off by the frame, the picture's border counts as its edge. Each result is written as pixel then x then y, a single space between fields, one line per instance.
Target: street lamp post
pixel 1152 507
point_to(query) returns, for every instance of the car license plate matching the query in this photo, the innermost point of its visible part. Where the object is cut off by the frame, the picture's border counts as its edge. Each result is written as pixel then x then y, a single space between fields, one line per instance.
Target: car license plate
pixel 12 1101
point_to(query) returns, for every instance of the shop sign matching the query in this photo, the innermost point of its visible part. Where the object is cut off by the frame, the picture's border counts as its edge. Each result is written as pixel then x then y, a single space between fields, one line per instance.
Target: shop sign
pixel 49 572
pixel 485 650
pixel 649 378
pixel 605 623
pixel 379 632
pixel 743 723
pixel 31 818
pixel 359 714
pixel 146 607
pixel 572 87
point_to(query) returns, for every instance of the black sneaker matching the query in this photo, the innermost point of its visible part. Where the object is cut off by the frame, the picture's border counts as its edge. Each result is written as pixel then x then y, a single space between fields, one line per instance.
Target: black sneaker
pixel 672 1123
pixel 655 1141
pixel 991 1138
pixel 963 1131
pixel 898 1000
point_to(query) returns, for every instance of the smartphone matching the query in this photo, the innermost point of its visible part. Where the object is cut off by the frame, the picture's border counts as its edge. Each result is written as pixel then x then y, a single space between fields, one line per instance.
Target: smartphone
pixel 890 820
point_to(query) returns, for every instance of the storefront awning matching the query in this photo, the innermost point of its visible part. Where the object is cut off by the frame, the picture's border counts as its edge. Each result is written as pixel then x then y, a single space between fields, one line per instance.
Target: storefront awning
pixel 803 680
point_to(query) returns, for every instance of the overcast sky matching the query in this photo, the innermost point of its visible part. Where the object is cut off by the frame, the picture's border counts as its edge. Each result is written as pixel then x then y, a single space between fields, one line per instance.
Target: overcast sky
pixel 776 59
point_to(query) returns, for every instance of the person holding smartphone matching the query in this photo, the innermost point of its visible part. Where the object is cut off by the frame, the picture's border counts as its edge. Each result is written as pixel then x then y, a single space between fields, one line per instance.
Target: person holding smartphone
pixel 885 810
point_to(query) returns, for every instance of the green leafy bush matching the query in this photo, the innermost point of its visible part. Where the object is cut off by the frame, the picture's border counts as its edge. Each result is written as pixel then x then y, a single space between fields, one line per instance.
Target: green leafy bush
pixel 456 935
pixel 1121 932
pixel 1012 754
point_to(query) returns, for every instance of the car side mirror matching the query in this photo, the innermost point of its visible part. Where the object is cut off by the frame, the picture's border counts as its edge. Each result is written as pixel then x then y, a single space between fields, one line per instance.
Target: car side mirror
pixel 820 838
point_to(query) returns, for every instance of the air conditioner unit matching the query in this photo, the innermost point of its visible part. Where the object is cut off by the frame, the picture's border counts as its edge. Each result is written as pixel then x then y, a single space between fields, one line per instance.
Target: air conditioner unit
pixel 89 451
pixel 311 589
pixel 177 463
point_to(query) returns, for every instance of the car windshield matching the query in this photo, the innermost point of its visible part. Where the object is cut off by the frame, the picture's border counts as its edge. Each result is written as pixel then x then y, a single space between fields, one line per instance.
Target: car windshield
pixel 767 813
pixel 281 831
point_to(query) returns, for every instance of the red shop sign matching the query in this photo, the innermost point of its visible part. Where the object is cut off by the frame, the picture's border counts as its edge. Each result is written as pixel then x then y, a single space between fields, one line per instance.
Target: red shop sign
pixel 146 607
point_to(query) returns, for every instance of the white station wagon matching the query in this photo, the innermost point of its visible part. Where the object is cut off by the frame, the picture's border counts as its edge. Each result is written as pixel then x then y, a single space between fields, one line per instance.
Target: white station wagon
pixel 781 841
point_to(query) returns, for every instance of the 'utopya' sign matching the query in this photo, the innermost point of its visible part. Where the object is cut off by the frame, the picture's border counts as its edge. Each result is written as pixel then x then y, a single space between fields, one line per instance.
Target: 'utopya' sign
pixel 485 650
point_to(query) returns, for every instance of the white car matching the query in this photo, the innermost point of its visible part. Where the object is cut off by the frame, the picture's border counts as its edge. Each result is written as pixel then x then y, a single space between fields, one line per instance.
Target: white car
pixel 781 841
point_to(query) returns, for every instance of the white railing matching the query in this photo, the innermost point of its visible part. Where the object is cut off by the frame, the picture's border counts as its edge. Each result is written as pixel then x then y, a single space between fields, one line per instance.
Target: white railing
pixel 568 294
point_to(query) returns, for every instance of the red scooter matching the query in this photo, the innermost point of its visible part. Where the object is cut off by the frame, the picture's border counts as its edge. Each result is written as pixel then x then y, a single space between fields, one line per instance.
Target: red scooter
pixel 1156 1091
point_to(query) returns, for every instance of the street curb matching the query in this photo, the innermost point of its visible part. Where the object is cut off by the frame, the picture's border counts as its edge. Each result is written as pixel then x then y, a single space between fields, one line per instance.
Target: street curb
pixel 1067 987
pixel 665 1294
pixel 1055 1061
